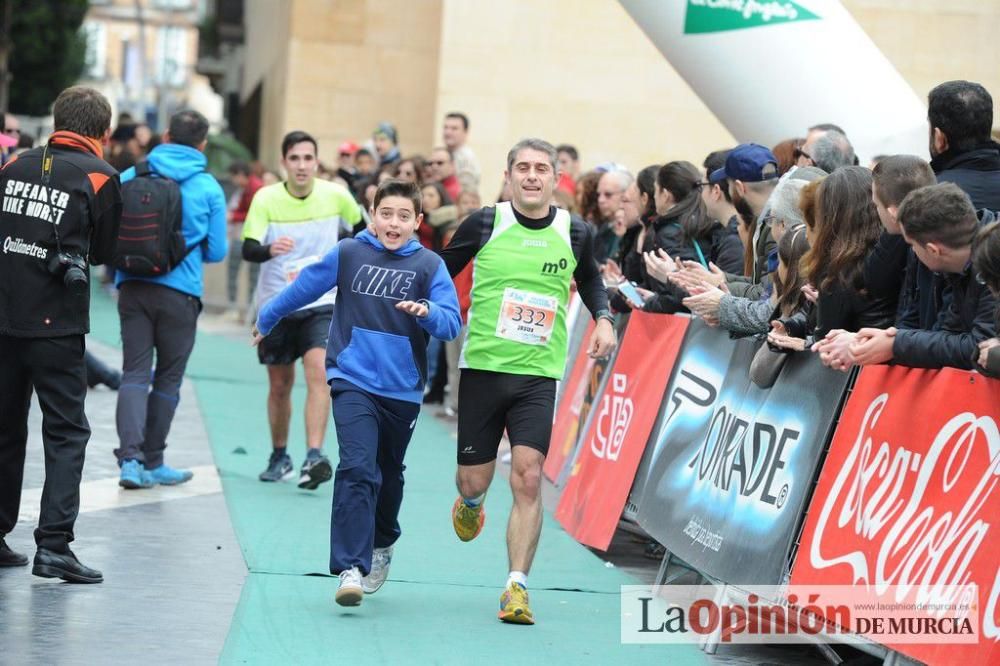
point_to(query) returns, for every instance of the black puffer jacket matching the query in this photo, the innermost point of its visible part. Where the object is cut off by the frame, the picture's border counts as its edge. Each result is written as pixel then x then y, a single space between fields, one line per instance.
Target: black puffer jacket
pixel 851 310
pixel 966 317
pixel 976 171
pixel 726 250
pixel 992 367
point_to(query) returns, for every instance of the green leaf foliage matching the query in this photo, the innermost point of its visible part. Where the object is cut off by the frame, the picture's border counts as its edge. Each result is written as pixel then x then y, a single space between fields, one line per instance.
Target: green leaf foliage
pixel 47 54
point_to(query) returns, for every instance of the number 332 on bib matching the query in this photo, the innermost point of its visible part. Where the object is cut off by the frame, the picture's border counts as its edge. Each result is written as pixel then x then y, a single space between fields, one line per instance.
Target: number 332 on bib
pixel 527 317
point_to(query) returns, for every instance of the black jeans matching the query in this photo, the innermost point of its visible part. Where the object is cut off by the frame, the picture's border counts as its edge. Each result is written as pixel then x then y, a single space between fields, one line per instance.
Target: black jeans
pixel 154 319
pixel 55 369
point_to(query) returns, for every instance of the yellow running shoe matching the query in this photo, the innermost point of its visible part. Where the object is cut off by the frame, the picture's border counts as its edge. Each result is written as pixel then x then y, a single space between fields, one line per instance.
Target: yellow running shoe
pixel 468 521
pixel 514 605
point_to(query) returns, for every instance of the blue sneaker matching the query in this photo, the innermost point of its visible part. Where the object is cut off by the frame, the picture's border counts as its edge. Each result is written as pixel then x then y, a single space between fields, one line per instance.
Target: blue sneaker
pixel 134 476
pixel 168 476
pixel 279 468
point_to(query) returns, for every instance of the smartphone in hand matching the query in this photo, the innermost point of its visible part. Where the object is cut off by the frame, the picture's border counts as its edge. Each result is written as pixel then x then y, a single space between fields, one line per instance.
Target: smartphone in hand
pixel 628 290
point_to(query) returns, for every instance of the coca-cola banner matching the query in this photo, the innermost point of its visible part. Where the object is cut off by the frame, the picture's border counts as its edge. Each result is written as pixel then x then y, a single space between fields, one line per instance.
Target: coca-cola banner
pixel 733 464
pixel 908 497
pixel 602 473
pixel 568 413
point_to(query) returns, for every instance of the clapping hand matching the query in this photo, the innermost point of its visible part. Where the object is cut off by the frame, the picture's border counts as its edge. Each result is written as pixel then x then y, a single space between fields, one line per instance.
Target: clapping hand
pixel 872 346
pixel 659 265
pixel 704 301
pixel 780 338
pixel 984 350
pixel 835 349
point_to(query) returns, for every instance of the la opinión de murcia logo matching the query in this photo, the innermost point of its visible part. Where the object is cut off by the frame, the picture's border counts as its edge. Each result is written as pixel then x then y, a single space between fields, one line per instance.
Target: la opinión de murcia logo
pixel 780 613
pixel 918 543
pixel 613 420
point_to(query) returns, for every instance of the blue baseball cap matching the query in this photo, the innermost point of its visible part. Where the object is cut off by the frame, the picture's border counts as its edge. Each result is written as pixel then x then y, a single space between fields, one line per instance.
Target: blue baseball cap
pixel 749 162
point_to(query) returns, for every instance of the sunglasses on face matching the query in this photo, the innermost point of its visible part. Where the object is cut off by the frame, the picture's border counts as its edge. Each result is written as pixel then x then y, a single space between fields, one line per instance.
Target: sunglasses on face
pixel 801 153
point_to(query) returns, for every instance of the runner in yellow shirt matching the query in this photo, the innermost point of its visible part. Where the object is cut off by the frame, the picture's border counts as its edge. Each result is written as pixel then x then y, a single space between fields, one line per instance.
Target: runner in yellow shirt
pixel 289 226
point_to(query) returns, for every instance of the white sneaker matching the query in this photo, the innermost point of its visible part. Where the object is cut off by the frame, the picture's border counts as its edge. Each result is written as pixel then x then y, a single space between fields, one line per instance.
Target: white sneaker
pixel 350 593
pixel 381 559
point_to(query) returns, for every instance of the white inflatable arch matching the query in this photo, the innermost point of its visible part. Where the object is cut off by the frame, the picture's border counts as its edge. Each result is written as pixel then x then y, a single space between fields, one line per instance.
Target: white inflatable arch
pixel 770 69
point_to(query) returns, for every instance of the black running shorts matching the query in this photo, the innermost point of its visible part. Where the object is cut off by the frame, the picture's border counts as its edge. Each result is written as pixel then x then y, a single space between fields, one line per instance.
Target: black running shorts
pixel 489 402
pixel 294 335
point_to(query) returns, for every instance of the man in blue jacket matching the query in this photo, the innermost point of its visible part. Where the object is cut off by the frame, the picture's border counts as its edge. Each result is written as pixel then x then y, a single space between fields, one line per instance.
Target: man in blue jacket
pixel 161 313
pixel 392 295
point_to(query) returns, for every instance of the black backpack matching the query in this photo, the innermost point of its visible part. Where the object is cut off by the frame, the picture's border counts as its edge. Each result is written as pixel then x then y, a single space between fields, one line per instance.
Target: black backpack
pixel 150 241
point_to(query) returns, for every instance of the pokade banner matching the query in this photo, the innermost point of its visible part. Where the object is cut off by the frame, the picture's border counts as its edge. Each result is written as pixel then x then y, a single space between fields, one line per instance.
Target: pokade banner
pixel 732 465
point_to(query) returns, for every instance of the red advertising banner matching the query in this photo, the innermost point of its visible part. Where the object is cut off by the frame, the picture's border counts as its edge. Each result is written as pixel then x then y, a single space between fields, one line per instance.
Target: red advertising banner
pixel 567 423
pixel 612 447
pixel 908 497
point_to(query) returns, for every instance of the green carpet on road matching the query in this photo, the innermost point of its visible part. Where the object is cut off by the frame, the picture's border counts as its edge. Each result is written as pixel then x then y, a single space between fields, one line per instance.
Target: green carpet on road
pixel 439 605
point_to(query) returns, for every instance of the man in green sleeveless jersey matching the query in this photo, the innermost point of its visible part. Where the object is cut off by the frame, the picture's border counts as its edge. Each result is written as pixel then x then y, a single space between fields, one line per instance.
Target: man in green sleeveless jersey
pixel 525 253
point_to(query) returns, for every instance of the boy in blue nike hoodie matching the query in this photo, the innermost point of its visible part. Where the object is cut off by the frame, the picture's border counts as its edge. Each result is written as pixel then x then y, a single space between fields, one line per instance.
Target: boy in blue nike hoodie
pixel 392 295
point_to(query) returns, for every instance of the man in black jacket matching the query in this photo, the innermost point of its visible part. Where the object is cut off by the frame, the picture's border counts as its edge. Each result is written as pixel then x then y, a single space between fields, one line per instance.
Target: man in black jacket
pixel 960 114
pixel 60 214
pixel 939 224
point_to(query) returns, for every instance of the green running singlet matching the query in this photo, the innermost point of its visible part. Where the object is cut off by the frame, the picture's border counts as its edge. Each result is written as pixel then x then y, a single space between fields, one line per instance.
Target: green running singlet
pixel 520 290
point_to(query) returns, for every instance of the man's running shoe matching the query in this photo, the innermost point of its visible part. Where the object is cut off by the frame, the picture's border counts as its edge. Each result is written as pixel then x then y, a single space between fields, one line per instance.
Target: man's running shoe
pixel 514 605
pixel 279 468
pixel 134 475
pixel 468 521
pixel 350 592
pixel 381 559
pixel 315 470
pixel 168 476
